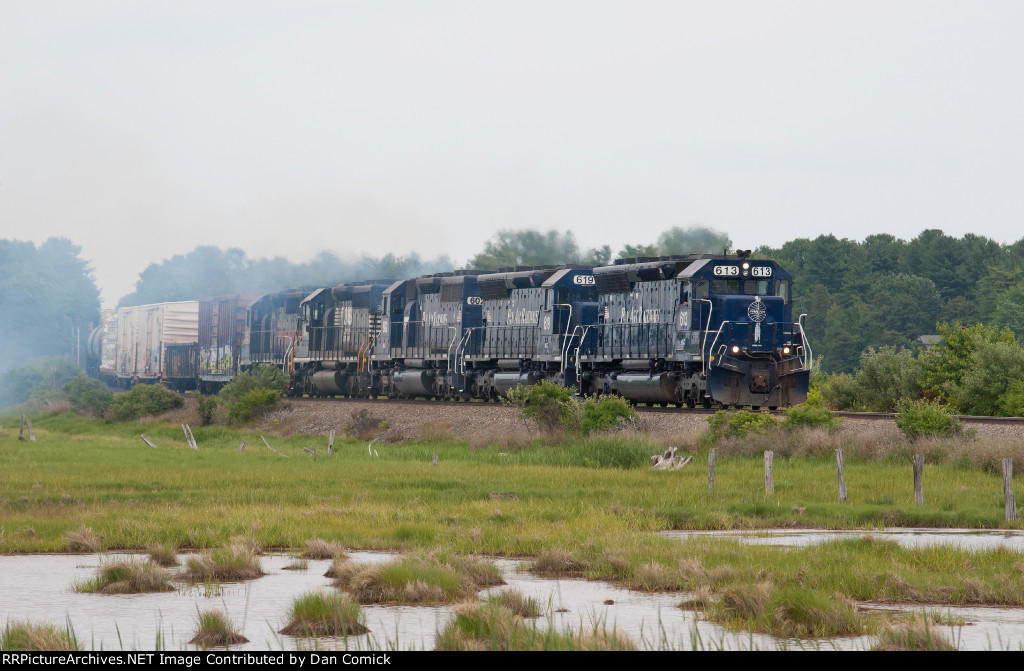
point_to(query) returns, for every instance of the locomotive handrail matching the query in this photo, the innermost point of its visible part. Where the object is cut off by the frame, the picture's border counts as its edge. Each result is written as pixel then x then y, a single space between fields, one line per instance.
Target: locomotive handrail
pixel 717 334
pixel 563 350
pixel 583 338
pixel 704 343
pixel 808 354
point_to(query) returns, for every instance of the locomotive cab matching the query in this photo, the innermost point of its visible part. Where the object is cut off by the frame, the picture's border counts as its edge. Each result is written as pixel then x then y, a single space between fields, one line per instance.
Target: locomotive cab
pixel 752 352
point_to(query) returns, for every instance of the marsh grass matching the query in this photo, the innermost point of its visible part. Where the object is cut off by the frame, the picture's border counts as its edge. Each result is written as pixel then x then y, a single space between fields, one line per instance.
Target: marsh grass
pixel 917 632
pixel 422 578
pixel 317 614
pixel 128 577
pixel 494 626
pixel 83 539
pixel 296 565
pixel 236 562
pixel 556 561
pixel 163 554
pixel 215 630
pixel 318 548
pixel 24 636
pixel 517 602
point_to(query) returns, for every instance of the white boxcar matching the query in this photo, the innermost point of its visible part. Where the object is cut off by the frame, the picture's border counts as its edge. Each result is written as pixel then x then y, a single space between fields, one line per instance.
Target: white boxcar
pixel 154 343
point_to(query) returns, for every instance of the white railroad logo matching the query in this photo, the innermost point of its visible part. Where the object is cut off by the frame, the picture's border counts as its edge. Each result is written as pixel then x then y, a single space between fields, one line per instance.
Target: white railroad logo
pixel 756 311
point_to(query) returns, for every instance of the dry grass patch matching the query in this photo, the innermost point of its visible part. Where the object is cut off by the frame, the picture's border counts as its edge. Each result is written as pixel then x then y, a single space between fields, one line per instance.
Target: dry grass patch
pixel 297 565
pixel 316 614
pixel 556 561
pixel 83 539
pixel 126 577
pixel 215 630
pixel 435 431
pixel 318 548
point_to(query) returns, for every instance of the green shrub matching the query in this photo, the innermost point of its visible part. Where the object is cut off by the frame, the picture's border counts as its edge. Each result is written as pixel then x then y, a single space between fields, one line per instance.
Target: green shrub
pixel 143 400
pixel 551 405
pixel 806 415
pixel 887 376
pixel 207 406
pixel 1012 402
pixel 840 392
pixel 253 394
pixel 605 413
pixel 739 424
pixel 924 418
pixel 88 395
pixel 256 403
pixel 260 377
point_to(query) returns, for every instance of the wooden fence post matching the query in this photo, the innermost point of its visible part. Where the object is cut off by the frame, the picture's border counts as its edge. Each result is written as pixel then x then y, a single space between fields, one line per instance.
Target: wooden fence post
pixel 21 430
pixel 769 485
pixel 31 433
pixel 711 468
pixel 1008 501
pixel 918 479
pixel 842 481
pixel 330 443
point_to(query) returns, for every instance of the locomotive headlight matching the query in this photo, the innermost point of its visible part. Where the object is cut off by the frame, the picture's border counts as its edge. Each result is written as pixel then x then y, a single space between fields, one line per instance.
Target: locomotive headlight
pixel 735 349
pixel 785 350
pixel 746 266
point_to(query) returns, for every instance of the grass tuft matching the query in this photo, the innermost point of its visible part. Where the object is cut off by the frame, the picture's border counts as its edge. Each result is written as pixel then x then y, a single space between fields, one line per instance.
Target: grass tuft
pixel 215 630
pixel 163 554
pixel 127 577
pixel 494 626
pixel 84 539
pixel 916 633
pixel 30 637
pixel 233 563
pixel 427 578
pixel 318 548
pixel 517 602
pixel 316 614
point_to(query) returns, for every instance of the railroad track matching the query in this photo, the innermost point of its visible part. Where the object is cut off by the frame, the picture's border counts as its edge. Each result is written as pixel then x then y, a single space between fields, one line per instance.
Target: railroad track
pixel 877 416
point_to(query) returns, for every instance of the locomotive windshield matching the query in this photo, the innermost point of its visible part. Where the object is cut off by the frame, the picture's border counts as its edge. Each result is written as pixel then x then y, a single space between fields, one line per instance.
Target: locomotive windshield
pixel 747 287
pixel 568 294
pixel 743 287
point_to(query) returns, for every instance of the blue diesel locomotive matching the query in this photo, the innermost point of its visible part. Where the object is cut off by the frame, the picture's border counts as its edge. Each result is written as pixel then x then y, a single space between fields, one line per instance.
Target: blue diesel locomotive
pixel 685 330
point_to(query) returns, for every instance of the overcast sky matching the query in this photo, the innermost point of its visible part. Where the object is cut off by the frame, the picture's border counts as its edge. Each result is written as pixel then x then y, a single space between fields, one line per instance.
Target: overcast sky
pixel 140 129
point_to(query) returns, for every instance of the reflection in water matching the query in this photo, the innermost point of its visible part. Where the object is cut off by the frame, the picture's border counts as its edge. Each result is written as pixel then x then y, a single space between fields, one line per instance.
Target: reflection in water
pixel 38 588
pixel 966 539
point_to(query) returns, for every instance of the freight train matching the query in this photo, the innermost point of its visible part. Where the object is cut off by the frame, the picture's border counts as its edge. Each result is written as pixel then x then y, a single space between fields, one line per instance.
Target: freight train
pixel 676 330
